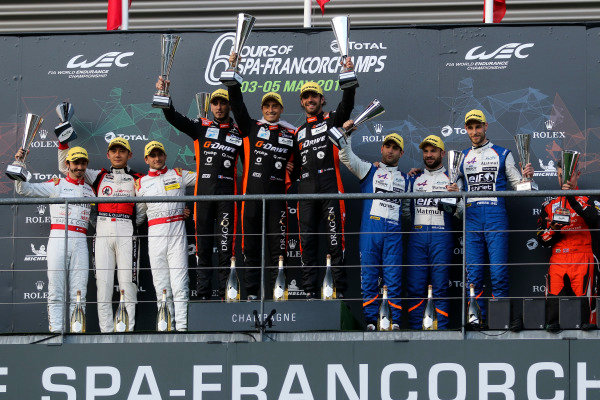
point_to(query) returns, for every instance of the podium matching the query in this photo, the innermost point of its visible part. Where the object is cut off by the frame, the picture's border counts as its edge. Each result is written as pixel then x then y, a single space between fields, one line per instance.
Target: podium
pixel 291 316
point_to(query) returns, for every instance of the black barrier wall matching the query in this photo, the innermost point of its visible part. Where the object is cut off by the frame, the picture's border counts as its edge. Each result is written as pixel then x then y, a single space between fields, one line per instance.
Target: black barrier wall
pixel 528 79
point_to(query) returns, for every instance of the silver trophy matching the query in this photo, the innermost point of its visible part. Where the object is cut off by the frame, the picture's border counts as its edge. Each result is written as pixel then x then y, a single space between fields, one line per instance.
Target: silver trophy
pixel 570 159
pixel 203 103
pixel 455 160
pixel 338 135
pixel 64 131
pixel 523 140
pixel 168 45
pixel 17 171
pixel 245 22
pixel 341 30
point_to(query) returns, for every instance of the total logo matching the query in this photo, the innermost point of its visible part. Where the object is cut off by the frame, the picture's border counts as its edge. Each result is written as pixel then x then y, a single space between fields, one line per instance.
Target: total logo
pixel 37 254
pixel 448 130
pixel 38 293
pixel 43 177
pixel 96 66
pixel 478 58
pixel 358 46
pixel 111 135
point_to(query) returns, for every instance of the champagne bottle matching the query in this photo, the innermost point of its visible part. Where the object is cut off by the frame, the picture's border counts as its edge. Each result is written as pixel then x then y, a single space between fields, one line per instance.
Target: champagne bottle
pixel 78 316
pixel 474 314
pixel 328 291
pixel 232 294
pixel 430 321
pixel 384 322
pixel 121 322
pixel 163 320
pixel 280 291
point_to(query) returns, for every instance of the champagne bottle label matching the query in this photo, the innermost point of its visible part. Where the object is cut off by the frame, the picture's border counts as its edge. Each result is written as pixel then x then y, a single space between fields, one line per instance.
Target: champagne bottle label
pixel 278 292
pixel 76 327
pixel 162 326
pixel 232 293
pixel 328 291
pixel 427 322
pixel 384 323
pixel 121 327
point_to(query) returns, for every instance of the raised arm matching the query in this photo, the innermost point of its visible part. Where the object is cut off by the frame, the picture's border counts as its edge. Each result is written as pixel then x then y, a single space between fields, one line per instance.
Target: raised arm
pixel 240 112
pixel 512 172
pixel 354 163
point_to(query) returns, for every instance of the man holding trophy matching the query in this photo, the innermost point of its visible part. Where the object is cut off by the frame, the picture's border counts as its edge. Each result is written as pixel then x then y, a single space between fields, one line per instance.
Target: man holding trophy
pixel 571 270
pixel 431 241
pixel 114 244
pixel 268 147
pixel 73 221
pixel 487 167
pixel 217 144
pixel 381 226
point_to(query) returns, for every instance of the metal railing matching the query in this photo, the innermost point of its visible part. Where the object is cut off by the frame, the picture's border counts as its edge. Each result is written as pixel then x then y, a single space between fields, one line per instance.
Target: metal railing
pixel 463 196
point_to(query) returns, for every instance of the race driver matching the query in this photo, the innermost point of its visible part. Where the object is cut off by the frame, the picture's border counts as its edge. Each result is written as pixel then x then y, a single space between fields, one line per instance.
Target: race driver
pixel 431 242
pixel 76 264
pixel 381 225
pixel 487 166
pixel 167 240
pixel 571 270
pixel 268 147
pixel 217 145
pixel 114 243
pixel 317 164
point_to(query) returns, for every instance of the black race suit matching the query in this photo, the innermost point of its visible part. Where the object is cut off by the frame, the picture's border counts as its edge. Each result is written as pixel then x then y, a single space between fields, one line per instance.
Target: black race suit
pixel 320 173
pixel 267 149
pixel 216 147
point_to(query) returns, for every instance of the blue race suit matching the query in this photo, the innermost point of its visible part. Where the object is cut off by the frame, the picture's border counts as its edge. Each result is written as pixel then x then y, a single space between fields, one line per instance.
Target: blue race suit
pixel 381 233
pixel 488 167
pixel 430 248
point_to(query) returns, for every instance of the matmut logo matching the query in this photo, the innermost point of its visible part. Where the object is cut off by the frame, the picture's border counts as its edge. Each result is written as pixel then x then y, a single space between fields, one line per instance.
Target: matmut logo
pixel 503 52
pixel 106 60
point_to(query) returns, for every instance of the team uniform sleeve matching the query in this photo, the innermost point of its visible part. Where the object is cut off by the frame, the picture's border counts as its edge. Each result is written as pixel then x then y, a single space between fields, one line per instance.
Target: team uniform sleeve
pixel 189 177
pixel 43 189
pixel 181 122
pixel 354 163
pixel 545 235
pixel 344 109
pixel 238 107
pixel 140 208
pixel 512 172
pixel 582 206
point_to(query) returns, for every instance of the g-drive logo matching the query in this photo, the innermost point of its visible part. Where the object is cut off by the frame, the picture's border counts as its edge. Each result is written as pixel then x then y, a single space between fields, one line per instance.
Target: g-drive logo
pixel 98 66
pixel 478 58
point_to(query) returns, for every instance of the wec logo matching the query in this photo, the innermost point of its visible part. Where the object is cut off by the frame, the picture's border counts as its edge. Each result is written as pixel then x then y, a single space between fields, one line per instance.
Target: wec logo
pixel 104 61
pixel 503 52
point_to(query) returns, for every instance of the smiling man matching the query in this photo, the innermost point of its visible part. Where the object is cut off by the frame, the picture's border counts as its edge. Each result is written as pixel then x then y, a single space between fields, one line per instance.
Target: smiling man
pixel 487 166
pixel 381 226
pixel 114 244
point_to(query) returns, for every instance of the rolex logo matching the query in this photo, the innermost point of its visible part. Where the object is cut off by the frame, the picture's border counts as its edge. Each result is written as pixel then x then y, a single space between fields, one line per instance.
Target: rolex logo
pixel 39 285
pixel 292 243
pixel 549 124
pixel 378 128
pixel 41 209
pixel 43 134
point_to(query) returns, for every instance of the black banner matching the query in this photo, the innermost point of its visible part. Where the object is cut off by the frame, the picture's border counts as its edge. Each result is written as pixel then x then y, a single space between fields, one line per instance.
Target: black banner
pixel 527 79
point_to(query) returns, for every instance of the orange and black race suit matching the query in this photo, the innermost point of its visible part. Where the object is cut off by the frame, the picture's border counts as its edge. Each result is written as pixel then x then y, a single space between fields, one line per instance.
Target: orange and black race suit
pixel 572 263
pixel 319 172
pixel 216 147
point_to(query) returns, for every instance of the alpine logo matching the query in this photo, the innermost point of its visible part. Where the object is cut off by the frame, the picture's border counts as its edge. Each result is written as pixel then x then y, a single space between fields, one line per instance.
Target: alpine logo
pixel 106 60
pixel 503 52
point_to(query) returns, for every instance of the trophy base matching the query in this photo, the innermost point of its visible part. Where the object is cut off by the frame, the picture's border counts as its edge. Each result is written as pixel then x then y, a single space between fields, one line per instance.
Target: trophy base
pixel 161 101
pixel 337 136
pixel 348 80
pixel 17 173
pixel 526 186
pixel 448 205
pixel 231 78
pixel 65 132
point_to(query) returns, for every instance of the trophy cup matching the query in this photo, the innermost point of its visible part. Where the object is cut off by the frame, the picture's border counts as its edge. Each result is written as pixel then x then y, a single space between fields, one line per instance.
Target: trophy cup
pixel 17 170
pixel 570 158
pixel 455 159
pixel 523 140
pixel 203 101
pixel 338 135
pixel 245 22
pixel 64 131
pixel 169 45
pixel 341 29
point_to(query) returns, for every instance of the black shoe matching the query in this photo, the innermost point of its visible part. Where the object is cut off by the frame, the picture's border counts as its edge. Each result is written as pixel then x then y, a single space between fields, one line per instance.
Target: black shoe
pixel 516 325
pixel 553 328
pixel 588 327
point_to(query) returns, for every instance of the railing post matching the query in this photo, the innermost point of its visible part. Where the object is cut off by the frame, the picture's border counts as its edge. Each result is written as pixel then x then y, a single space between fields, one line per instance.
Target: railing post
pixel 66 274
pixel 262 268
pixel 464 267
